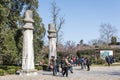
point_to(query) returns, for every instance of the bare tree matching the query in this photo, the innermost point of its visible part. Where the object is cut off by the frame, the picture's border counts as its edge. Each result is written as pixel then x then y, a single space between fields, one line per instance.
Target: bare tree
pixel 70 47
pixel 96 42
pixel 57 20
pixel 106 32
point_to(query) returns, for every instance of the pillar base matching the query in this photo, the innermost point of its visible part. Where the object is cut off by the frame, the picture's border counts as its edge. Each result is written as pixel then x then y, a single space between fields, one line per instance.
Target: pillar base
pixel 27 72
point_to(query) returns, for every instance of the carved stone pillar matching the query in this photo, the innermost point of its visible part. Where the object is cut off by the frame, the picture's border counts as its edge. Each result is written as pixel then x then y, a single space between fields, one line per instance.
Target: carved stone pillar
pixel 28 50
pixel 52 41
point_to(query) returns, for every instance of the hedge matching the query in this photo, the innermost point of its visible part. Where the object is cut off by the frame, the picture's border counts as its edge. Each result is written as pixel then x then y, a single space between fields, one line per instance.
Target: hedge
pixel 2 72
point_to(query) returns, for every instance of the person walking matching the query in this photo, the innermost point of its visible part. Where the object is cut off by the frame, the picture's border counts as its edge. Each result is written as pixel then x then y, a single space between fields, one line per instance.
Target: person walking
pixel 67 67
pixel 62 65
pixel 83 62
pixel 57 64
pixel 108 60
pixel 54 66
pixel 88 63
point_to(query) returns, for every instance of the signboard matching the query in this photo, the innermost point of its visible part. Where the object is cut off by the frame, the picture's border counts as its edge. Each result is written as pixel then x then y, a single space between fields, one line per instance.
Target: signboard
pixel 104 53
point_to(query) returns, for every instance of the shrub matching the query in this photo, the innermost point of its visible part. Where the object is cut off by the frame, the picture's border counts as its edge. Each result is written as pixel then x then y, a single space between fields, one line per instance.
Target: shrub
pixel 93 61
pixel 46 60
pixel 80 53
pixel 3 67
pixel 101 61
pixel 2 72
pixel 39 67
pixel 13 67
pixel 11 71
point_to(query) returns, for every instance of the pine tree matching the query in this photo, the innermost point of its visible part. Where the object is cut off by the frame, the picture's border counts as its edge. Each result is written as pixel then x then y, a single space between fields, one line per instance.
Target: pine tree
pixel 11 31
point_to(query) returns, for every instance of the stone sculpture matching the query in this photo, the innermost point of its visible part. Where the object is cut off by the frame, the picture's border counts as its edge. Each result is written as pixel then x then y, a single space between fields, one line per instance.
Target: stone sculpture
pixel 28 50
pixel 52 41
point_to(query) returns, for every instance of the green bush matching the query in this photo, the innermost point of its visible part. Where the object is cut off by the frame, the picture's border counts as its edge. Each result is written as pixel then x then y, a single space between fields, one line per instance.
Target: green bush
pixel 117 57
pixel 93 61
pixel 101 61
pixel 2 72
pixel 11 71
pixel 80 53
pixel 6 67
pixel 46 60
pixel 3 67
pixel 39 67
pixel 13 67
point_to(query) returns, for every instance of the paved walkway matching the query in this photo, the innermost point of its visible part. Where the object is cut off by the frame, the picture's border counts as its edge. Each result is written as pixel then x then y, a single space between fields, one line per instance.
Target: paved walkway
pixel 96 73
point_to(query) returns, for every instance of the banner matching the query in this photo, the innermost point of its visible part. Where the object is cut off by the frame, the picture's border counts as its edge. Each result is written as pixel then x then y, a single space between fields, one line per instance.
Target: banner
pixel 104 53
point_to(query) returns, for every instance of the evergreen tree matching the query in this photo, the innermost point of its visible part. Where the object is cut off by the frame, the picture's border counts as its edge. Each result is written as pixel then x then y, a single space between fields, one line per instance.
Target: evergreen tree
pixel 39 28
pixel 113 40
pixel 10 28
pixel 8 47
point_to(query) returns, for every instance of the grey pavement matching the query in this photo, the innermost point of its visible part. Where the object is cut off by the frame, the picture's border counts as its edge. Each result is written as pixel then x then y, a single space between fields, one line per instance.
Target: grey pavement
pixel 96 73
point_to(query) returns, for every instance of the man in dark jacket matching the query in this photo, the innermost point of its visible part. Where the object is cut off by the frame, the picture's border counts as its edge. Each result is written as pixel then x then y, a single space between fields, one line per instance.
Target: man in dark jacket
pixel 88 63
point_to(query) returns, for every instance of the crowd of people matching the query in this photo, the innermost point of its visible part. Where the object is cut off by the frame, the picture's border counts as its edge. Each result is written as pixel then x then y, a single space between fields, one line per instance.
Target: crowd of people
pixel 66 64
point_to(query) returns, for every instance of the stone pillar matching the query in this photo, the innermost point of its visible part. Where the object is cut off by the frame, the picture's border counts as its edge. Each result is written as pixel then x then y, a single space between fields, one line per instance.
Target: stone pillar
pixel 52 41
pixel 28 51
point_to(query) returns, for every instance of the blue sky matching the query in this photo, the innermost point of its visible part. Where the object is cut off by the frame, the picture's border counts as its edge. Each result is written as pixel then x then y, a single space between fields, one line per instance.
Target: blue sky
pixel 82 17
